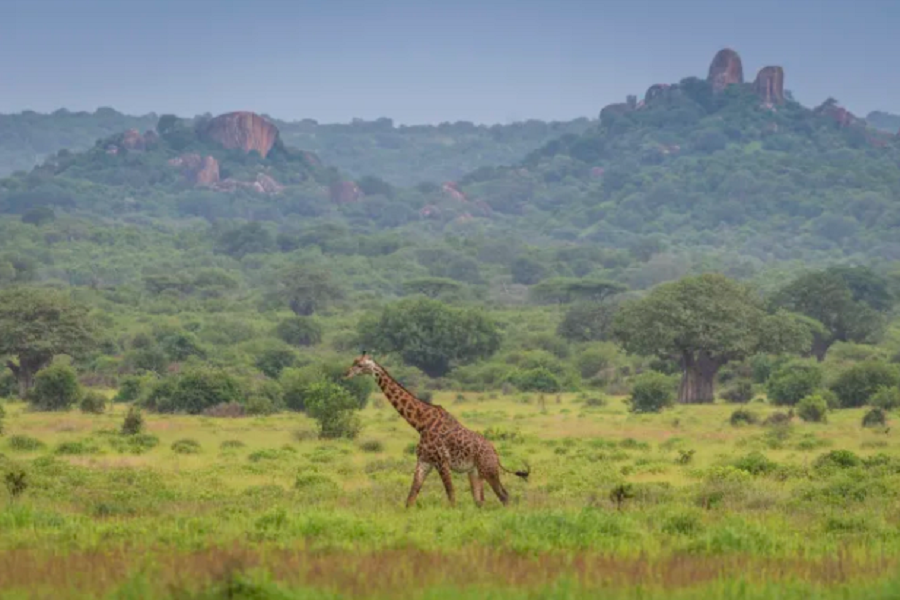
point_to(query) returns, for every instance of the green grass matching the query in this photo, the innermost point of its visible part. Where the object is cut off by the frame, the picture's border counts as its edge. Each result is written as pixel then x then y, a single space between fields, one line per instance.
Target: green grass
pixel 751 514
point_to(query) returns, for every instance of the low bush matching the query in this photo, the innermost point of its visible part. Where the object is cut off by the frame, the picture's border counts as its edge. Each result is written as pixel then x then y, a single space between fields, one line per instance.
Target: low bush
pixel 55 388
pixel 886 398
pixel 856 386
pixel 134 421
pixel 740 391
pixel 742 416
pixel 792 382
pixel 186 446
pixel 651 392
pixel 874 418
pixel 813 409
pixel 92 403
pixel 371 446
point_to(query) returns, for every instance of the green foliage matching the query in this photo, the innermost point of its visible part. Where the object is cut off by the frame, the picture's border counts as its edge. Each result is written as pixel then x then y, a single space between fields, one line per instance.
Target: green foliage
pixel 755 463
pixel 842 459
pixel 588 321
pixel 274 360
pixel 194 391
pixel 186 446
pixel 742 416
pixel 856 385
pixel 37 324
pixel 92 402
pixel 740 390
pixel 306 289
pixel 875 417
pixel 813 409
pixel 565 290
pixel 25 443
pixel 296 384
pixel 886 398
pixel 792 382
pixel 704 322
pixel 55 388
pixel 333 407
pixel 539 379
pixel 130 389
pixel 651 392
pixel 133 424
pixel 299 331
pixel 430 334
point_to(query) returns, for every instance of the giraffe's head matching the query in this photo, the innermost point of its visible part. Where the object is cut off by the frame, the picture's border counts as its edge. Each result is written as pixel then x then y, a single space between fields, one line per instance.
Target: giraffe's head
pixel 362 365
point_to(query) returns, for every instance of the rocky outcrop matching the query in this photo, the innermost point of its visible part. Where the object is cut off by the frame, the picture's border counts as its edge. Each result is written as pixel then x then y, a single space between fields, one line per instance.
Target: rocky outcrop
pixel 202 171
pixel 132 141
pixel 245 131
pixel 769 84
pixel 451 189
pixel 840 115
pixel 726 69
pixel 345 192
pixel 656 91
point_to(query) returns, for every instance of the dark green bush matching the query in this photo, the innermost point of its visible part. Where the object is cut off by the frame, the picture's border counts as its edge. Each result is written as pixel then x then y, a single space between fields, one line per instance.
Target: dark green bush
pixel 742 416
pixel 334 408
pixel 651 392
pixel 130 389
pixel 813 409
pixel 539 379
pixel 186 446
pixel 55 388
pixel 92 403
pixel 874 418
pixel 843 459
pixel 300 331
pixel 8 385
pixel 134 421
pixel 741 391
pixel 793 382
pixel 856 386
pixel 371 446
pixel 886 398
pixel 755 463
pixel 194 391
pixel 274 360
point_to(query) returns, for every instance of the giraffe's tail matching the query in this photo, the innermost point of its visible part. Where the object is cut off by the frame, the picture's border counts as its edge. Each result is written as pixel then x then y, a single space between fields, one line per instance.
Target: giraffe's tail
pixel 523 474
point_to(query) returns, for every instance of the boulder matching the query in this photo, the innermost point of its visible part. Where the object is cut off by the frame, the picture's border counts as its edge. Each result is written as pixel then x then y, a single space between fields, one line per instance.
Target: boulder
pixel 245 131
pixel 452 189
pixel 726 69
pixel 769 84
pixel 199 170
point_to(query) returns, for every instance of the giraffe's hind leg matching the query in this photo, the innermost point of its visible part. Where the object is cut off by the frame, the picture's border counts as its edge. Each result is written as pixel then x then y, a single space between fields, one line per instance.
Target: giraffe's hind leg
pixel 493 478
pixel 477 484
pixel 422 471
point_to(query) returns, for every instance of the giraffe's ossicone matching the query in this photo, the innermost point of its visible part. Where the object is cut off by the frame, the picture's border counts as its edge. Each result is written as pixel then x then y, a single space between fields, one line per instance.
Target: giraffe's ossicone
pixel 444 444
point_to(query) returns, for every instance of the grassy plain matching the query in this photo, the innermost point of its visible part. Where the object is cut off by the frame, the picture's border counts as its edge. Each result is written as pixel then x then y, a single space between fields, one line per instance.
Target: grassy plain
pixel 258 507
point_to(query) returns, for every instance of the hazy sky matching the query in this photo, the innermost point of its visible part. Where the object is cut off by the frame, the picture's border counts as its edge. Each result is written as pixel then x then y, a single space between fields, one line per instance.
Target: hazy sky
pixel 429 61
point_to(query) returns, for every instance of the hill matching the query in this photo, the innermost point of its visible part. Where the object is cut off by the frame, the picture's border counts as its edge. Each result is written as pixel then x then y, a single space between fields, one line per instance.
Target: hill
pixel 884 121
pixel 27 138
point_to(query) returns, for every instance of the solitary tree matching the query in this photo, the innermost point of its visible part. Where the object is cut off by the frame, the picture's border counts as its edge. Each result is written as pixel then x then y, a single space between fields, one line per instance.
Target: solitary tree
pixel 849 303
pixel 704 322
pixel 307 289
pixel 36 325
pixel 430 335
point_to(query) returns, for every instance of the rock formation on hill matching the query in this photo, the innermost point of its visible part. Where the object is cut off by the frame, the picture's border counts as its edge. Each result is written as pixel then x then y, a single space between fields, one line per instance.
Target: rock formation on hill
pixel 202 171
pixel 725 69
pixel 345 192
pixel 769 85
pixel 246 131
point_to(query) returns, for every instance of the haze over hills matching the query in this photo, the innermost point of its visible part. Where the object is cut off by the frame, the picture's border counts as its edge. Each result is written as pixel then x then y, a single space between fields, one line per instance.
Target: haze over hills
pixel 714 172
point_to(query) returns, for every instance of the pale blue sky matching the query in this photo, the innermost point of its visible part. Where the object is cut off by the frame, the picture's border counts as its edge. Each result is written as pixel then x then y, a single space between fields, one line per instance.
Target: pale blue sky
pixel 428 61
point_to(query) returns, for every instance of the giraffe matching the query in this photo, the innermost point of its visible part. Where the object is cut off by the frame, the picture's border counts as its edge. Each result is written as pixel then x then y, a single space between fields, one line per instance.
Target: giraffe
pixel 444 443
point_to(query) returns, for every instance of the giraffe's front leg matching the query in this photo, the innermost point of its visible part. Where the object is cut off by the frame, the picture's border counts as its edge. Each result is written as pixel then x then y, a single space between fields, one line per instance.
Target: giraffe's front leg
pixel 477 484
pixel 444 469
pixel 422 471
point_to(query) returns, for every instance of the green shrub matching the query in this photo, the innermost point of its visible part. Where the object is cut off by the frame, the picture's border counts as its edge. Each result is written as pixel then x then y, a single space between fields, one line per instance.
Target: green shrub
pixel 92 403
pixel 740 391
pixel 186 446
pixel 793 382
pixel 194 391
pixel 274 360
pixel 135 444
pixel 886 398
pixel 299 331
pixel 539 379
pixel 651 392
pixel 813 409
pixel 742 416
pixel 333 407
pixel 25 443
pixel 843 459
pixel 78 448
pixel 55 388
pixel 874 418
pixel 9 387
pixel 130 389
pixel 134 421
pixel 855 386
pixel 371 446
pixel 755 463
pixel 297 382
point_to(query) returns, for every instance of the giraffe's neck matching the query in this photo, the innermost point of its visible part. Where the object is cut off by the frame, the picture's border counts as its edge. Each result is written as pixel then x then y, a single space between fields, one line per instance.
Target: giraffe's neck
pixel 413 410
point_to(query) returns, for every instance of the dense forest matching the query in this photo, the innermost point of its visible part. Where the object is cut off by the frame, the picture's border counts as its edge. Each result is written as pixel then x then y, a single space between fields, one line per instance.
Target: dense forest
pixel 203 245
